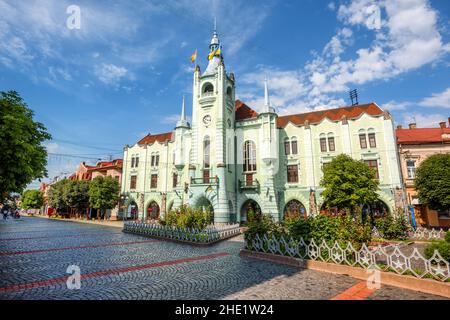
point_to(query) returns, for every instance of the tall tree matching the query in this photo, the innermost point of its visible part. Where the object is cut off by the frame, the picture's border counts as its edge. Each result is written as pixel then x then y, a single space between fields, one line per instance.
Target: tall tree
pixel 56 195
pixel 32 199
pixel 433 182
pixel 348 183
pixel 23 156
pixel 103 193
pixel 75 195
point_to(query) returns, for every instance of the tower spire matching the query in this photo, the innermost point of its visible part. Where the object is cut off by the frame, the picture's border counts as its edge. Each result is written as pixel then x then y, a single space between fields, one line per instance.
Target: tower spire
pixel 266 96
pixel 183 122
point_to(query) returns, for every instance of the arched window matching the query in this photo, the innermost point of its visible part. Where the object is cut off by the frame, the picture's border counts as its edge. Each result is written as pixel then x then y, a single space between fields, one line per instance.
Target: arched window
pixel 323 143
pixel 362 139
pixel 229 92
pixel 331 144
pixel 294 146
pixel 208 88
pixel 206 152
pixel 249 156
pixel 287 147
pixel 206 159
pixel 372 138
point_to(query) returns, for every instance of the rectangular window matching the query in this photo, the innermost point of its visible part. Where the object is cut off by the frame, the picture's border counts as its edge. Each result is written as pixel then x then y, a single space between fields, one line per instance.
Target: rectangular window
pixel 205 176
pixel 372 140
pixel 444 214
pixel 175 180
pixel 133 182
pixel 374 165
pixel 323 144
pixel 411 169
pixel 153 161
pixel 136 162
pixel 324 165
pixel 331 146
pixel 157 160
pixel 154 181
pixel 294 147
pixel 287 148
pixel 363 141
pixel 132 162
pixel 292 174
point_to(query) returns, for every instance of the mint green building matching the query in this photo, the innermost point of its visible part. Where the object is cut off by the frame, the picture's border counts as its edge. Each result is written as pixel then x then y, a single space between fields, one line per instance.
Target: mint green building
pixel 233 159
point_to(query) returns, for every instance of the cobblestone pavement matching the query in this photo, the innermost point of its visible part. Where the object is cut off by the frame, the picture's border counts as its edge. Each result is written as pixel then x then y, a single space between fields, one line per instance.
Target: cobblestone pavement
pixel 35 254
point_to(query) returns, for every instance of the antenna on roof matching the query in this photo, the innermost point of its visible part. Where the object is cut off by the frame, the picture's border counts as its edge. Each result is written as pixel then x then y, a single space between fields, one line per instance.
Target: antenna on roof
pixel 354 97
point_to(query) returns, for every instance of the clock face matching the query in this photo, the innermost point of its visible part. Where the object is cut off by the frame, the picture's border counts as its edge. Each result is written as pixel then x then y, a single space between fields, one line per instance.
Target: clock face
pixel 207 119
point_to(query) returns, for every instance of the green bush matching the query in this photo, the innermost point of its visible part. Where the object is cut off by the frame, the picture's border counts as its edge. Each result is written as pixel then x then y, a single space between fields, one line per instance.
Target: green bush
pixel 187 217
pixel 319 228
pixel 442 246
pixel 447 236
pixel 391 228
pixel 264 225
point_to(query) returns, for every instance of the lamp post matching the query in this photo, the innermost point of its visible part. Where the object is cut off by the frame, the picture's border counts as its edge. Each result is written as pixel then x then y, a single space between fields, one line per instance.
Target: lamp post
pixel 124 199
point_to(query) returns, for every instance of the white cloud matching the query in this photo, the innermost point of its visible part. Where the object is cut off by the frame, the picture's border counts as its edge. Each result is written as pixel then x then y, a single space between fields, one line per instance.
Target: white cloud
pixel 423 120
pixel 440 100
pixel 399 46
pixel 111 74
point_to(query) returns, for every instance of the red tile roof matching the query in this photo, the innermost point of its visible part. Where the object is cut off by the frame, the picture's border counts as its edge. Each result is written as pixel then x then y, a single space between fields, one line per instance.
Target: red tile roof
pixel 151 138
pixel 423 135
pixel 353 112
pixel 244 112
pixel 102 165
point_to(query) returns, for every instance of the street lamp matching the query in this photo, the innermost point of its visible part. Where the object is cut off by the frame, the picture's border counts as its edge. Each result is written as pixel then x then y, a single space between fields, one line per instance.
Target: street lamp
pixel 124 199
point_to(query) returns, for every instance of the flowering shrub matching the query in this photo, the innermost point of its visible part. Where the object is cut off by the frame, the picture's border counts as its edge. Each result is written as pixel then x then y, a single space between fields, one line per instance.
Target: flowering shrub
pixel 188 217
pixel 330 229
pixel 391 228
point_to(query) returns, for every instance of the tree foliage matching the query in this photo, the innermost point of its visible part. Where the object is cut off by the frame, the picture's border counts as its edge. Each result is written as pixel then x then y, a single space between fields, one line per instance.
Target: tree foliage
pixel 348 183
pixel 103 193
pixel 32 199
pixel 433 182
pixel 23 157
pixel 55 195
pixel 75 194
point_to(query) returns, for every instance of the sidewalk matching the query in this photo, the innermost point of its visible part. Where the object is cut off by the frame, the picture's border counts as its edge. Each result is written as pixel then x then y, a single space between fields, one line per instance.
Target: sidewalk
pixel 116 224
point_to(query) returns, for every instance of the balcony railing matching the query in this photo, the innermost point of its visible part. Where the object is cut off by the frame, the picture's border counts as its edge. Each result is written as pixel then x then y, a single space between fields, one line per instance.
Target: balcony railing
pixel 205 180
pixel 249 183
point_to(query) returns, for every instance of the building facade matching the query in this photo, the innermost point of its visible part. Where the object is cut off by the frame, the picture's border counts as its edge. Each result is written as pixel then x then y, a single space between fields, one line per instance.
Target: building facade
pixel 235 160
pixel 415 145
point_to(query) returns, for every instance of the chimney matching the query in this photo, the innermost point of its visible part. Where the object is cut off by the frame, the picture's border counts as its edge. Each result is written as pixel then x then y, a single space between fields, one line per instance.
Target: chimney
pixel 399 127
pixel 412 126
pixel 443 125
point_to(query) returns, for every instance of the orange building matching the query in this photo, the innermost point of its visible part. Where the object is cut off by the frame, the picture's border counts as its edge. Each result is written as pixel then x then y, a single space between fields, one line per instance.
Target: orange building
pixel 415 145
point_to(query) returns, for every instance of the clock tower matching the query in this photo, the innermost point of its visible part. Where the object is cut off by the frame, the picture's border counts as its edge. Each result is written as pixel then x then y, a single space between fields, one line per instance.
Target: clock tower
pixel 213 117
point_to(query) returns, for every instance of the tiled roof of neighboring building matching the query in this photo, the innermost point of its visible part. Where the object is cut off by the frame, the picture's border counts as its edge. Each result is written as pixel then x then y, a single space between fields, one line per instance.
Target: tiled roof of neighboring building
pixel 349 113
pixel 117 163
pixel 244 112
pixel 423 135
pixel 151 138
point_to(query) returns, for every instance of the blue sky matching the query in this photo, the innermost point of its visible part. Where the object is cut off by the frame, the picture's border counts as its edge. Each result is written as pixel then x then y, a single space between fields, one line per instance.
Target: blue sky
pixel 124 72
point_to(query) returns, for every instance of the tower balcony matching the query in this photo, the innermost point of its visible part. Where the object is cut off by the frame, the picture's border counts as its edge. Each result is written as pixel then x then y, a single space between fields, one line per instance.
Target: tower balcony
pixel 249 183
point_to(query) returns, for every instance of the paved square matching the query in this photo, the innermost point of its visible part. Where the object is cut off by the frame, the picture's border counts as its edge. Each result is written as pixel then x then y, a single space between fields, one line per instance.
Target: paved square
pixel 35 254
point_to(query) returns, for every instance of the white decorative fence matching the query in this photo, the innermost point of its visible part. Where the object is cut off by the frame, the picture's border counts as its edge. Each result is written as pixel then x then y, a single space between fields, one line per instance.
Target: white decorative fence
pixel 418 234
pixel 208 235
pixel 427 234
pixel 389 258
